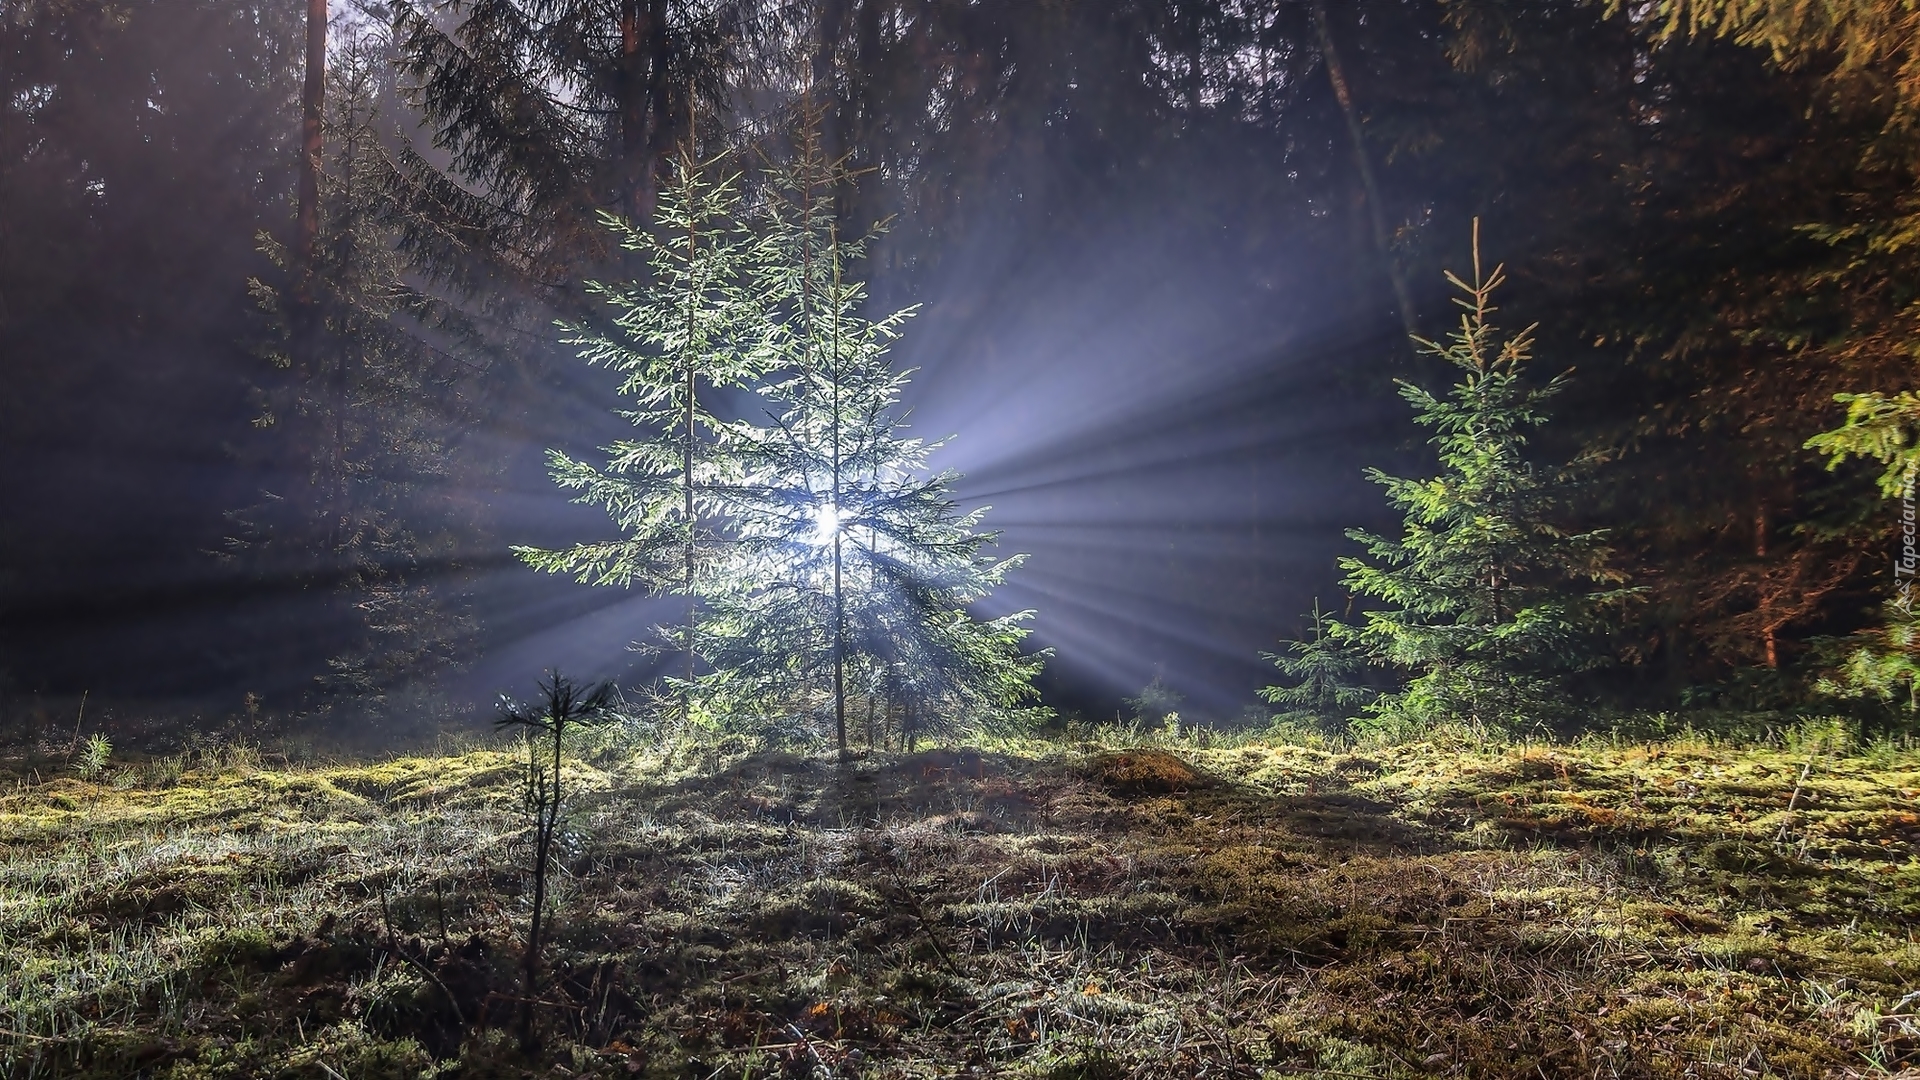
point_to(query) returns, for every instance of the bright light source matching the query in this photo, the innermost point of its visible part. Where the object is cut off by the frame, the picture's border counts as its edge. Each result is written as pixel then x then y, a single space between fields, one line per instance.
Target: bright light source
pixel 826 524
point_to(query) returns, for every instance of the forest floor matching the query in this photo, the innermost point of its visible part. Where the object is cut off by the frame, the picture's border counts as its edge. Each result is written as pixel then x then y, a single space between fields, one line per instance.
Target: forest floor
pixel 1663 910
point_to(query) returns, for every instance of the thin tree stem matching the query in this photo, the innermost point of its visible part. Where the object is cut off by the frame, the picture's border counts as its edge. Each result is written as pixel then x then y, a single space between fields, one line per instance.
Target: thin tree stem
pixel 686 462
pixel 839 595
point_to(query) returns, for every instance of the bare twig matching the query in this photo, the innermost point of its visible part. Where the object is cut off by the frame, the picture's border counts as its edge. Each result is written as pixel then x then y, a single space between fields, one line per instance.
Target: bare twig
pixel 1794 800
pixel 74 746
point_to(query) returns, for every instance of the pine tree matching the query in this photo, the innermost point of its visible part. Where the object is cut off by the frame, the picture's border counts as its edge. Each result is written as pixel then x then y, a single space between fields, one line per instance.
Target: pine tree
pixel 1482 597
pixel 856 566
pixel 694 330
pixel 1324 669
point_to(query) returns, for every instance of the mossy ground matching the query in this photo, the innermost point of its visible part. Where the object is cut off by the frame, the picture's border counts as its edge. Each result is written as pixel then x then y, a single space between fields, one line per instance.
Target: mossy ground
pixel 1672 910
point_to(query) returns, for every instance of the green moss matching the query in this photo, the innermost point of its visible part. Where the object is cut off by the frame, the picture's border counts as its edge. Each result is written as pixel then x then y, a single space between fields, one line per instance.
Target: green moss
pixel 1325 914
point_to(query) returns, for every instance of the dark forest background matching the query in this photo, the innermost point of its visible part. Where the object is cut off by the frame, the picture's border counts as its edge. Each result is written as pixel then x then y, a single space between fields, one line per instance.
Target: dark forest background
pixel 1169 253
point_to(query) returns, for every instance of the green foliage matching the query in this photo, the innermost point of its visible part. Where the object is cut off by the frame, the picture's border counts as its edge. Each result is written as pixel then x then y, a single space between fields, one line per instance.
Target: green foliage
pixel 692 327
pixel 1883 663
pixel 1482 597
pixel 94 756
pixel 565 710
pixel 857 568
pixel 1870 36
pixel 695 330
pixel 549 113
pixel 822 561
pixel 1324 668
pixel 1819 312
pixel 1878 427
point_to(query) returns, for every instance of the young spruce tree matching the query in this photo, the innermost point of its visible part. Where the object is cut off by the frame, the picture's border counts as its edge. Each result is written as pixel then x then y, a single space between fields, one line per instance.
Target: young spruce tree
pixel 694 330
pixel 1326 690
pixel 1482 597
pixel 821 562
pixel 855 568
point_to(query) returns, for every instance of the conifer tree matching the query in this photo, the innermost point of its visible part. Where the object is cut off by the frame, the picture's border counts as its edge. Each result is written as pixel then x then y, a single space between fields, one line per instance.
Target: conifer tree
pixel 820 560
pixel 370 409
pixel 1324 669
pixel 1483 597
pixel 550 112
pixel 857 567
pixel 694 329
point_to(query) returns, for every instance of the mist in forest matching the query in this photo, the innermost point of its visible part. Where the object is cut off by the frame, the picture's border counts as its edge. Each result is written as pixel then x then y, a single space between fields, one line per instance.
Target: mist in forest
pixel 1167 256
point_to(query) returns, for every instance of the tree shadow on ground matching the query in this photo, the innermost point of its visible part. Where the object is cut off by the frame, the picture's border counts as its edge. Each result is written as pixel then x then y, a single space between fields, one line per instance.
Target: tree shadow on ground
pixel 970 790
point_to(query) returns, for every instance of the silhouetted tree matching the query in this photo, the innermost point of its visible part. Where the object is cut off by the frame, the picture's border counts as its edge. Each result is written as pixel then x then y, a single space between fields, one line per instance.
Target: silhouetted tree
pixel 563 710
pixel 371 412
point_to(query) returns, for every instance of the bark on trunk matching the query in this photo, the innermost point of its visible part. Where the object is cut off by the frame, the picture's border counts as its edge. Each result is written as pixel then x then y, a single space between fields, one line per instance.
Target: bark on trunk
pixel 825 84
pixel 635 196
pixel 1769 631
pixel 1376 212
pixel 660 114
pixel 312 102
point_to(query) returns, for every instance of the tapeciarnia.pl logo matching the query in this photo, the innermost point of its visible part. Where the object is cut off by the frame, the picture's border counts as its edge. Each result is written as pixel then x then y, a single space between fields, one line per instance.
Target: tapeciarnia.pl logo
pixel 1908 562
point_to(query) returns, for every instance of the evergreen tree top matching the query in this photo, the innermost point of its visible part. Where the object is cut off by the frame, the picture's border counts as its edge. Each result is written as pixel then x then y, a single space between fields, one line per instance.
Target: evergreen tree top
pixel 1483 593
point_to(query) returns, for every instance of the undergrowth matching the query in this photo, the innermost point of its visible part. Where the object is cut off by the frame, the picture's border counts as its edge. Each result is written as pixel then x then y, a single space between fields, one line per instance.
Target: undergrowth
pixel 1610 908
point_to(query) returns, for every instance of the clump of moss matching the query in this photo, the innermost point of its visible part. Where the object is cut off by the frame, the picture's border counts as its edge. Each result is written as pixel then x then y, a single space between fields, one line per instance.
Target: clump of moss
pixel 1143 771
pixel 830 905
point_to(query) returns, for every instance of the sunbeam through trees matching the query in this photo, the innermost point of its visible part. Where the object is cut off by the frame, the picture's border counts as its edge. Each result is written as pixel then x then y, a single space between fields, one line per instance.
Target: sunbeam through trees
pixel 1090 539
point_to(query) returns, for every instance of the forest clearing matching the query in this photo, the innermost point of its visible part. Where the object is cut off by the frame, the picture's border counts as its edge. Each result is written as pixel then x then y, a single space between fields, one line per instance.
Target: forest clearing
pixel 1660 909
pixel 1088 539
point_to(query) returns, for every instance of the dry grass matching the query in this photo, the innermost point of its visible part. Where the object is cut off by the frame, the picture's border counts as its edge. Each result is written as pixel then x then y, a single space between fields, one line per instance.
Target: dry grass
pixel 1672 910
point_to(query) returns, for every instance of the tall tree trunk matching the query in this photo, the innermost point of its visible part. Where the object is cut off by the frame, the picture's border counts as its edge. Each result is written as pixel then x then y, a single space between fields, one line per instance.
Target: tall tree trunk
pixel 636 193
pixel 660 113
pixel 1376 211
pixel 856 107
pixel 686 464
pixel 312 101
pixel 825 82
pixel 1675 652
pixel 303 318
pixel 693 603
pixel 340 514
